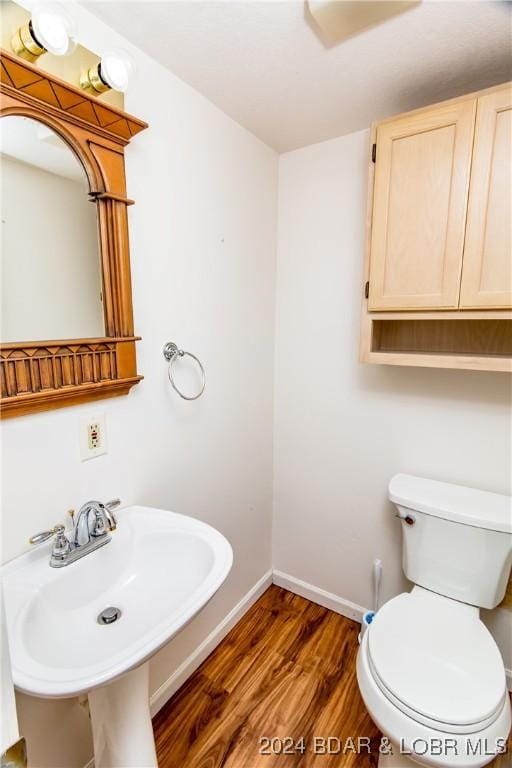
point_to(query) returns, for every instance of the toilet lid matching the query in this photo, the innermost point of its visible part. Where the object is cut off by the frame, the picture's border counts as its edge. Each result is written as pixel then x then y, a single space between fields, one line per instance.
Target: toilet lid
pixel 436 657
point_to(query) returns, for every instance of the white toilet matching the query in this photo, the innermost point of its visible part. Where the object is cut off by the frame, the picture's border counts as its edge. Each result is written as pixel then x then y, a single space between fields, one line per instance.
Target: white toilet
pixel 429 671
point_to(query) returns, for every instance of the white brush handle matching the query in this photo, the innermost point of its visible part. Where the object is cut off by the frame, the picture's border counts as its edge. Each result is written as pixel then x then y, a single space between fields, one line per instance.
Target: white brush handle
pixel 377 578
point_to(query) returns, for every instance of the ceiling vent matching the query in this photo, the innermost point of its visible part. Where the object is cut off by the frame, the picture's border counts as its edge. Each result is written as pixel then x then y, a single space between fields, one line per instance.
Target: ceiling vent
pixel 335 20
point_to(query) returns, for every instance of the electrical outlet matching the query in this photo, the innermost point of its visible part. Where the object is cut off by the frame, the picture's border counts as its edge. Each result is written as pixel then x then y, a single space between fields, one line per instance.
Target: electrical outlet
pixel 93 437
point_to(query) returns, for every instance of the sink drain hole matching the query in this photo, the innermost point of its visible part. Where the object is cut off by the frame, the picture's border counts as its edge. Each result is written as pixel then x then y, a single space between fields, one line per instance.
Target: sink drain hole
pixel 109 615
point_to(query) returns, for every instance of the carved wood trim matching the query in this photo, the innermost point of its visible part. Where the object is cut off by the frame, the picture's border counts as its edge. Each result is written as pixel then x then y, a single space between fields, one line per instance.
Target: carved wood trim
pixel 33 403
pixel 33 85
pixel 110 196
pixel 39 375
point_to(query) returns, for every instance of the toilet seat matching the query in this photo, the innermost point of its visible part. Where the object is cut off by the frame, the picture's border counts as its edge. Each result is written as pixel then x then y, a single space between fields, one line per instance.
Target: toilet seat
pixel 404 733
pixel 434 659
pixel 436 725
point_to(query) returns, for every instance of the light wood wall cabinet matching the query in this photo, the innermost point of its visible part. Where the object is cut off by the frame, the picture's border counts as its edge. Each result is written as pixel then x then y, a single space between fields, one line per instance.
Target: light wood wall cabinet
pixel 419 216
pixel 439 247
pixel 487 273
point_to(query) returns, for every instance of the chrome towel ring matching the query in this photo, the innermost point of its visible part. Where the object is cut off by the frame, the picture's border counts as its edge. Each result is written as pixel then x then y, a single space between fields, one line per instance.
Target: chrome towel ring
pixel 173 353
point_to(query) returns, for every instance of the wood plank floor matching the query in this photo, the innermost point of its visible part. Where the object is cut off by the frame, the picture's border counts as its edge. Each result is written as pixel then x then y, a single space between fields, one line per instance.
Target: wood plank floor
pixel 287 669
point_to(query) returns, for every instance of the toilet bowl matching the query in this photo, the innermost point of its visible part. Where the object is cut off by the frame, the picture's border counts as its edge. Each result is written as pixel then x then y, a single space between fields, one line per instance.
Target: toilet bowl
pixel 432 679
pixel 429 671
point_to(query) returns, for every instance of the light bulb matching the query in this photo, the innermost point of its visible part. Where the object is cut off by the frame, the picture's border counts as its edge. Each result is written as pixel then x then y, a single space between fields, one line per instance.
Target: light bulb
pixel 117 68
pixel 54 29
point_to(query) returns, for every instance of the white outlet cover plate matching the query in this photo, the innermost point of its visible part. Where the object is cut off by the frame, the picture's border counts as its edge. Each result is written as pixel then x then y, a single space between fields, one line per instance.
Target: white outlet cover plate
pixel 87 453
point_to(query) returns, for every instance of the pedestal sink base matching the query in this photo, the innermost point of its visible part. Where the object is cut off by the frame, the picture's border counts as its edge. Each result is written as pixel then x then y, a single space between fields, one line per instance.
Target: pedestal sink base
pixel 159 570
pixel 121 722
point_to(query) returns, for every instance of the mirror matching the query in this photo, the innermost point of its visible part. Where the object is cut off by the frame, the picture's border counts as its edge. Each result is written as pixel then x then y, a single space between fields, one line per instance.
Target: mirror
pixel 51 268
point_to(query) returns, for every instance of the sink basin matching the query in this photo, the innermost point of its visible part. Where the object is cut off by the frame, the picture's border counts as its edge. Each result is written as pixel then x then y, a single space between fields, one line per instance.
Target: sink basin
pixel 159 570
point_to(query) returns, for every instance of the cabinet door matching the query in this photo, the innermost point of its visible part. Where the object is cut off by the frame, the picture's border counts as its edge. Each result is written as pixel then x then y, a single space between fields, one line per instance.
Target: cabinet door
pixel 487 271
pixel 419 208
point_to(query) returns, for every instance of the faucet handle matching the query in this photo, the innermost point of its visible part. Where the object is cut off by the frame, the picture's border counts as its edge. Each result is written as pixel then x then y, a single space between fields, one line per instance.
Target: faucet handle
pixel 57 530
pixel 109 506
pixel 104 520
pixel 100 525
pixel 61 545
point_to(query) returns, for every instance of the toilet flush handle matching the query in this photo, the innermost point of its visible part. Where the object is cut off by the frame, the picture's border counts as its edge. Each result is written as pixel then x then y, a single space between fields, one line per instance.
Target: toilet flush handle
pixel 407 517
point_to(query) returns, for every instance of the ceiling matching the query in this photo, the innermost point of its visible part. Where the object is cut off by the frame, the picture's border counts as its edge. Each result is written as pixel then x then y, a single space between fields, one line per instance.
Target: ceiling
pixel 264 65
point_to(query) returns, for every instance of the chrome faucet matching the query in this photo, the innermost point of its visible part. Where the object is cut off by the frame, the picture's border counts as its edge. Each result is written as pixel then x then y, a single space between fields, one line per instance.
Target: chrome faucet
pixel 92 529
pixel 102 522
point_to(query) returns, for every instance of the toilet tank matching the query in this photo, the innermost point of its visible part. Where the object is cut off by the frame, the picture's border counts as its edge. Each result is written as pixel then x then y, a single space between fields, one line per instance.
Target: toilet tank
pixel 457 541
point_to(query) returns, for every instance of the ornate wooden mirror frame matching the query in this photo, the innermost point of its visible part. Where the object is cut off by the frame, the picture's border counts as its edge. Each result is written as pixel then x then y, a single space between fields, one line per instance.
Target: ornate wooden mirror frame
pixel 40 375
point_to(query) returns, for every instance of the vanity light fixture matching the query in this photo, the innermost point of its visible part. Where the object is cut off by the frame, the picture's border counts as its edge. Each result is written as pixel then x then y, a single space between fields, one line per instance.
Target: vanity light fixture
pixel 51 29
pixel 114 71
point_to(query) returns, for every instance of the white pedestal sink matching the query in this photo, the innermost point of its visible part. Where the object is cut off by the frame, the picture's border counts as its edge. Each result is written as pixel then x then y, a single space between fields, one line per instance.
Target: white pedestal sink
pixel 159 570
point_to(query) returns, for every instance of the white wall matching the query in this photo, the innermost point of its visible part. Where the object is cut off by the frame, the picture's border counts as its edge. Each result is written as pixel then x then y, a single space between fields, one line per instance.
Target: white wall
pixel 203 256
pixel 51 285
pixel 342 429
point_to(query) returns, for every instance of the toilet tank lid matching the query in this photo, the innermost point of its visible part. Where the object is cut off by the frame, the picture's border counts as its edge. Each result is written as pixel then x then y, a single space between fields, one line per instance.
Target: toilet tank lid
pixel 457 503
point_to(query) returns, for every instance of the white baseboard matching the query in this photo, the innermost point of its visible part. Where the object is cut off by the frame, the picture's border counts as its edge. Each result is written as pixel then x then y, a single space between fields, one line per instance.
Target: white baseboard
pixel 321 596
pixel 334 603
pixel 196 658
